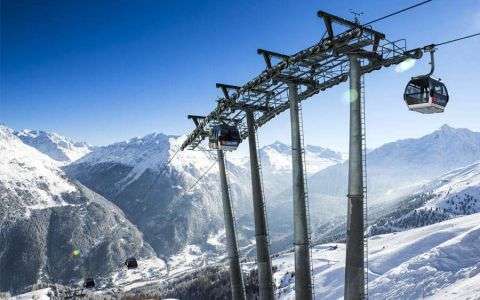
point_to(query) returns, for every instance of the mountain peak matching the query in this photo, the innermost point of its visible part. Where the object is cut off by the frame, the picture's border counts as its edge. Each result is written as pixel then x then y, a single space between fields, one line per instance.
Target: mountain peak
pixel 324 152
pixel 448 133
pixel 56 146
pixel 5 131
pixel 151 138
pixel 278 146
pixel 16 158
pixel 446 127
pixel 449 129
pixel 149 151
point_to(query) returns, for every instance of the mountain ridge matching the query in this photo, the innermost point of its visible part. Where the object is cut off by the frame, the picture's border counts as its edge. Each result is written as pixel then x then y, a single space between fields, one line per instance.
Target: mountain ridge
pixel 405 163
pixel 58 147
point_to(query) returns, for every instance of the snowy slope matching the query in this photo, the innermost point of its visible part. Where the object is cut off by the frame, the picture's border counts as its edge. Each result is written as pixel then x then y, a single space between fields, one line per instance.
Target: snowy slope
pixel 434 261
pixel 457 191
pixel 451 195
pixel 41 294
pixel 57 147
pixel 31 175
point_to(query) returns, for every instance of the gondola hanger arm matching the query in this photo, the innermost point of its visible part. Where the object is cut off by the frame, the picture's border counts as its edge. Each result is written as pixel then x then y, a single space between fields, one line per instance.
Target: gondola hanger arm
pixel 431 50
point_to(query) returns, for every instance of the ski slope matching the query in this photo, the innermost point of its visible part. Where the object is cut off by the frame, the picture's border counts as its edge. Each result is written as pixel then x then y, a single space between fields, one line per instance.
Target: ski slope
pixel 440 261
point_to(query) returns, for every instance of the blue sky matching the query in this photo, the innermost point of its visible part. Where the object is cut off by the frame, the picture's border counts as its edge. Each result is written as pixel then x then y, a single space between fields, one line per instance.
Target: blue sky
pixel 104 71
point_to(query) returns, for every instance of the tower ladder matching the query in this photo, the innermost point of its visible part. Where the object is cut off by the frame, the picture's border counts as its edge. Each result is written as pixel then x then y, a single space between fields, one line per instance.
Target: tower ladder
pixel 307 204
pixel 364 179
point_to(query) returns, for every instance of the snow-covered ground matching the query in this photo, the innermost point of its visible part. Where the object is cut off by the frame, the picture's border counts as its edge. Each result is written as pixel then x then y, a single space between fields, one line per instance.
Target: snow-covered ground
pixel 42 294
pixel 148 271
pixel 454 194
pixel 440 261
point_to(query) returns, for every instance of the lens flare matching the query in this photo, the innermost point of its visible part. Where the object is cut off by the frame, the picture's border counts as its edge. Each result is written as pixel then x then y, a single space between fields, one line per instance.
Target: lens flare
pixel 346 98
pixel 405 65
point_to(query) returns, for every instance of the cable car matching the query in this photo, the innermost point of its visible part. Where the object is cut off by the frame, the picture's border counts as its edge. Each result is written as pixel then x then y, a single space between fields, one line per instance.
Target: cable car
pixel 424 94
pixel 89 283
pixel 224 137
pixel 131 263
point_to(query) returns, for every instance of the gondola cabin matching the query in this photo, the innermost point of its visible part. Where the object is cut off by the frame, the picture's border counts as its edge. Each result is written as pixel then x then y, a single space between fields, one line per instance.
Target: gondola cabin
pixel 426 95
pixel 89 283
pixel 224 137
pixel 131 263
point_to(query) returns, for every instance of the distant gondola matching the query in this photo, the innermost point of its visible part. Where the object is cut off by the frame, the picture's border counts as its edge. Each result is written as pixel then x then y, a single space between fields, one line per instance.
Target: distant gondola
pixel 131 263
pixel 224 137
pixel 425 94
pixel 89 283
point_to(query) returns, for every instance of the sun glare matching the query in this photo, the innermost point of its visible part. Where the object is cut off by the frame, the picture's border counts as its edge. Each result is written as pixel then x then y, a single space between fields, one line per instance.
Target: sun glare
pixel 405 65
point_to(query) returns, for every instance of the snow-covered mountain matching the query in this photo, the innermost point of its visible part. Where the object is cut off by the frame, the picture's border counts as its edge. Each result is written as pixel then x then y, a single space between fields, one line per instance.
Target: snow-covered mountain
pixel 57 147
pixel 400 167
pixel 174 200
pixel 25 170
pixel 158 197
pixel 172 196
pixel 457 191
pixel 53 229
pixel 276 160
pixel 395 170
pixel 451 195
pixel 133 175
